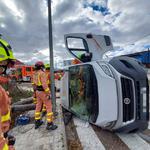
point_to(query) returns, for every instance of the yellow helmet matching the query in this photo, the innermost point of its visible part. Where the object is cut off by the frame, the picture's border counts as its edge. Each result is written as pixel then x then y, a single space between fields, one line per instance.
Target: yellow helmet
pixel 47 66
pixel 5 51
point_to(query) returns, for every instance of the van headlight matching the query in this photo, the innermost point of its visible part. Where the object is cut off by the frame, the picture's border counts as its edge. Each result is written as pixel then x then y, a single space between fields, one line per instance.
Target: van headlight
pixel 106 70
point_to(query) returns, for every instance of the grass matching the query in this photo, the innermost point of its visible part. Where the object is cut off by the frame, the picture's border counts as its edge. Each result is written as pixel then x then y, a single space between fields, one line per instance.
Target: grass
pixel 17 95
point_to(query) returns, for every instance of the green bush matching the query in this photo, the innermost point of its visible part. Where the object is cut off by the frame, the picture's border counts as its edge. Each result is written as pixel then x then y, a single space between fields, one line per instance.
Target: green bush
pixel 17 93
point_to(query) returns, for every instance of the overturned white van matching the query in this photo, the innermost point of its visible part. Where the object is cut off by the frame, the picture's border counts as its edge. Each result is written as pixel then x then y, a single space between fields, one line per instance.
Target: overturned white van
pixel 111 94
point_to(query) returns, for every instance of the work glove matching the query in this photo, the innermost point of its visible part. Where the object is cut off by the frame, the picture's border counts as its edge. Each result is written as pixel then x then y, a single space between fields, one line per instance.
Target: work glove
pixel 48 95
pixel 11 140
pixel 5 135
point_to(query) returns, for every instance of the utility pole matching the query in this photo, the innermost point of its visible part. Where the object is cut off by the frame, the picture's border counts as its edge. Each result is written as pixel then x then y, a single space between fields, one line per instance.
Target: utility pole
pixel 51 56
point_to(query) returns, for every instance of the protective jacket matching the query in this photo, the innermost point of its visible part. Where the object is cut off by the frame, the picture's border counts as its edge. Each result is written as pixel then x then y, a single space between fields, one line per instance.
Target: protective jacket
pixel 40 81
pixel 4 119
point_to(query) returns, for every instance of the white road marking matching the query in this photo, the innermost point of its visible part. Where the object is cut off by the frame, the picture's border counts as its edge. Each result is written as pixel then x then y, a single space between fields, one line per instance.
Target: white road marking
pixel 87 136
pixel 134 142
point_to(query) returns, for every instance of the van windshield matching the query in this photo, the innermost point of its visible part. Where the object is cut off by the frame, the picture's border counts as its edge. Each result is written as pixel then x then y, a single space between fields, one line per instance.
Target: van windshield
pixel 83 92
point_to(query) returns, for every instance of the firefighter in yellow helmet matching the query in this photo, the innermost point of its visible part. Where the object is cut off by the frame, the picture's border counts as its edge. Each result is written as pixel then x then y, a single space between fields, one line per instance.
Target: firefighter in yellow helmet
pixel 6 61
pixel 47 71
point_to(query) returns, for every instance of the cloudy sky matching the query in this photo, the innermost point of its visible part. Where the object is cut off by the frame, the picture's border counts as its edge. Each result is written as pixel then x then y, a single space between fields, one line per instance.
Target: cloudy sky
pixel 24 24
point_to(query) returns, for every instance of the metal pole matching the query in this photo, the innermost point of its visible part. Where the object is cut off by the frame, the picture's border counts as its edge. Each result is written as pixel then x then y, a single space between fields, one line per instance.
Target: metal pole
pixel 51 57
pixel 148 57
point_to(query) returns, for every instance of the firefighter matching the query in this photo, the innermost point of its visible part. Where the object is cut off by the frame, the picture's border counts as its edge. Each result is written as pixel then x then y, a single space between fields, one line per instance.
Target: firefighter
pixel 35 99
pixel 75 61
pixel 43 97
pixel 35 102
pixel 58 75
pixel 47 71
pixel 6 61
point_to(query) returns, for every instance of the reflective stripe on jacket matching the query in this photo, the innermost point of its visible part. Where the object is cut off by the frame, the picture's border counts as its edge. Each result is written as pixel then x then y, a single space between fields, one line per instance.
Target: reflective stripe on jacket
pixel 4 117
pixel 5 110
pixel 40 79
pixel 48 77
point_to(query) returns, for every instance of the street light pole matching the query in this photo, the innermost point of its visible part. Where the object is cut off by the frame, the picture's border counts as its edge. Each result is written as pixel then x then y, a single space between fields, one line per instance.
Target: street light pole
pixel 51 57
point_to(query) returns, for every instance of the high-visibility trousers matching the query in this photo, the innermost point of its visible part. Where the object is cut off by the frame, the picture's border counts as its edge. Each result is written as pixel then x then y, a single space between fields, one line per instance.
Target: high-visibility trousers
pixel 42 99
pixel 35 102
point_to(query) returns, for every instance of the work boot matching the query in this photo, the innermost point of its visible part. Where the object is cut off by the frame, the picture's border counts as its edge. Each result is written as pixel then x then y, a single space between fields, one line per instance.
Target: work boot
pixel 51 126
pixel 38 123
